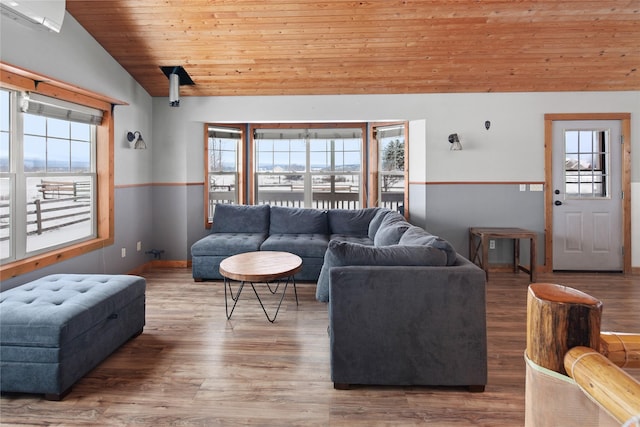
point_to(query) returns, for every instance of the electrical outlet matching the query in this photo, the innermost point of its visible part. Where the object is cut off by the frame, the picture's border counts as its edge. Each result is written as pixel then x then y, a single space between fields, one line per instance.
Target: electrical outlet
pixel 124 252
pixel 535 187
pixel 523 187
pixel 492 244
pixel 139 246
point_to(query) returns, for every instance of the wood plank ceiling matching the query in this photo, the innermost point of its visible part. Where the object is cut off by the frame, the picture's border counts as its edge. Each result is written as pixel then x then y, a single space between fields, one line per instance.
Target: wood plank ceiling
pixel 294 47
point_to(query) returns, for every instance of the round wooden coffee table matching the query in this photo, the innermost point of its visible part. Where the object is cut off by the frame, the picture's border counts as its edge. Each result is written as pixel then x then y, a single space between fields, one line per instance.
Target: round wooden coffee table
pixel 259 267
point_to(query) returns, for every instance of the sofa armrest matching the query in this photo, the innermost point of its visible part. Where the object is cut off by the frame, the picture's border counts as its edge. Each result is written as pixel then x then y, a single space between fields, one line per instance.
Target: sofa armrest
pixel 408 325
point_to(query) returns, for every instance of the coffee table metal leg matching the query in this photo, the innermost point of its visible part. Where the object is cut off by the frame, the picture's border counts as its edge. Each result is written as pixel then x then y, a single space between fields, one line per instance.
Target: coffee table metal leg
pixel 274 290
pixel 235 298
pixel 295 290
pixel 278 282
pixel 284 292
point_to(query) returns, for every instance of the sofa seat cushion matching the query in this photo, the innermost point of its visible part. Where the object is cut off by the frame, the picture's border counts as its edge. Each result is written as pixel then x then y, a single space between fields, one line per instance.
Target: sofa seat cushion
pixel 227 244
pixel 345 253
pixel 303 245
pixel 54 310
pixel 229 218
pixel 362 240
pixel 298 221
pixel 351 222
pixel 418 236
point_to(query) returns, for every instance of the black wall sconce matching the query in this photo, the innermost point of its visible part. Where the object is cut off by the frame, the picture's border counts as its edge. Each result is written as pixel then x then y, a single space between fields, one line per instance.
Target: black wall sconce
pixel 487 125
pixel 454 140
pixel 139 143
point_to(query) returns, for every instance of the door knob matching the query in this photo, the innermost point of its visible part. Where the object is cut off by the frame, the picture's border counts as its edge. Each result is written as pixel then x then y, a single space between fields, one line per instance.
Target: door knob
pixel 557 203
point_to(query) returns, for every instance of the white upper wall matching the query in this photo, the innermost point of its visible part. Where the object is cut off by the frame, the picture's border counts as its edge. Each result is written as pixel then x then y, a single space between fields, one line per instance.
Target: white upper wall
pixel 511 150
pixel 74 57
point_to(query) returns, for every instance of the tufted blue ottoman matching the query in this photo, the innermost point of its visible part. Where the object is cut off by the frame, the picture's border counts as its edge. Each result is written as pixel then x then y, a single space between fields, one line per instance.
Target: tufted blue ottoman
pixel 56 329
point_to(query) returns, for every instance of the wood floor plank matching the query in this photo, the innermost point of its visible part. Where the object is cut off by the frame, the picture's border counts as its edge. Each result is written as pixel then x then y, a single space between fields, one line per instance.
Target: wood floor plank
pixel 193 367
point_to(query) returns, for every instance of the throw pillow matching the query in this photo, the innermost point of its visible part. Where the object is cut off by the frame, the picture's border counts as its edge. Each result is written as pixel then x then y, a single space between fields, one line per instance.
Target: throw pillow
pixel 228 218
pixel 344 253
pixel 417 236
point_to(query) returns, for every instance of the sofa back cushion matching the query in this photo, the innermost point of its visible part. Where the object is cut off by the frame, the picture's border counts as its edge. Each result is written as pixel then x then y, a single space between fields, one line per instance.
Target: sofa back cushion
pixel 375 223
pixel 351 222
pixel 391 229
pixel 229 218
pixel 298 221
pixel 417 236
pixel 344 253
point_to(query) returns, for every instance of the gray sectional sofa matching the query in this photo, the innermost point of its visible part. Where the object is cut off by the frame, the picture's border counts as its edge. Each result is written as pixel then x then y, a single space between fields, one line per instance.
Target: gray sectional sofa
pixel 404 307
pixel 304 232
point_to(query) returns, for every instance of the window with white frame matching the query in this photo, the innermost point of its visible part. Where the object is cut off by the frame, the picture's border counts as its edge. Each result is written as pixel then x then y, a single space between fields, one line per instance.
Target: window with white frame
pixel 308 167
pixel 47 174
pixel 391 166
pixel 222 164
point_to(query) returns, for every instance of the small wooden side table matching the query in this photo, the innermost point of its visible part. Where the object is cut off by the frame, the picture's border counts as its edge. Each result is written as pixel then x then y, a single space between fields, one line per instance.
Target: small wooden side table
pixel 479 247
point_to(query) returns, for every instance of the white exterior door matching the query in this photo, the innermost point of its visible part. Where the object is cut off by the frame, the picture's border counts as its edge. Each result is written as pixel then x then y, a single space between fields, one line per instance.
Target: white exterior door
pixel 587 195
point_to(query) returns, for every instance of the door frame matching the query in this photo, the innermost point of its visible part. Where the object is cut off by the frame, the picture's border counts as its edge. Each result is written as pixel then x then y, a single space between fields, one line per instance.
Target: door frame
pixel 625 125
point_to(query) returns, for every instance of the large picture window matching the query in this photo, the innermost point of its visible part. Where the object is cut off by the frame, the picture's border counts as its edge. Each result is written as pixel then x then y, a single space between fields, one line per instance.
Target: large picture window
pixel 49 188
pixel 309 166
pixel 56 171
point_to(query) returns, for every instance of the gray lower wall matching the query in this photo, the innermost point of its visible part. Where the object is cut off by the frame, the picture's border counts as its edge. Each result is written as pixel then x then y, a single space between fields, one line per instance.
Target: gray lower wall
pixel 178 219
pixel 133 213
pixel 133 223
pixel 450 209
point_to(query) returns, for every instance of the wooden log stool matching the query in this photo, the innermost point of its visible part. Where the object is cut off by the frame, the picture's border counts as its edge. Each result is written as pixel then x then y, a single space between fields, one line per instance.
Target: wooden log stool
pixel 563 335
pixel 560 318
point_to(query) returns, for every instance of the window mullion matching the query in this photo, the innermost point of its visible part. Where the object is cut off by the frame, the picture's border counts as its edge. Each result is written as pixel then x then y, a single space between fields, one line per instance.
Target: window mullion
pixel 308 179
pixel 19 208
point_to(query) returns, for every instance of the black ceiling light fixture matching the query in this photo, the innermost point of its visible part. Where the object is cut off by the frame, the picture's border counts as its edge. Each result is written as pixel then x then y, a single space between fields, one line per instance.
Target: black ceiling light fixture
pixel 177 76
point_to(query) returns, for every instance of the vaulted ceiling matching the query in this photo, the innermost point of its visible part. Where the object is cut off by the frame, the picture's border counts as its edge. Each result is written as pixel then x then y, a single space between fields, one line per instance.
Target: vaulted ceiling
pixel 293 47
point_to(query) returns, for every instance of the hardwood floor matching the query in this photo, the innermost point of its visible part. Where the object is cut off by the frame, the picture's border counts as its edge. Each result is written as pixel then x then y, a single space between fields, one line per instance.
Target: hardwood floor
pixel 193 367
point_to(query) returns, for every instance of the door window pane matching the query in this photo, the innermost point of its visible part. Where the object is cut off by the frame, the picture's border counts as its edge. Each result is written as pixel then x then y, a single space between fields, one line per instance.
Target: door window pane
pixel 586 163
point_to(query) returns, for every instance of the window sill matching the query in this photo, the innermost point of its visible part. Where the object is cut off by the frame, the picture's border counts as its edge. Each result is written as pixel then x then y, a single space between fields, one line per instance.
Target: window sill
pixel 17 268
